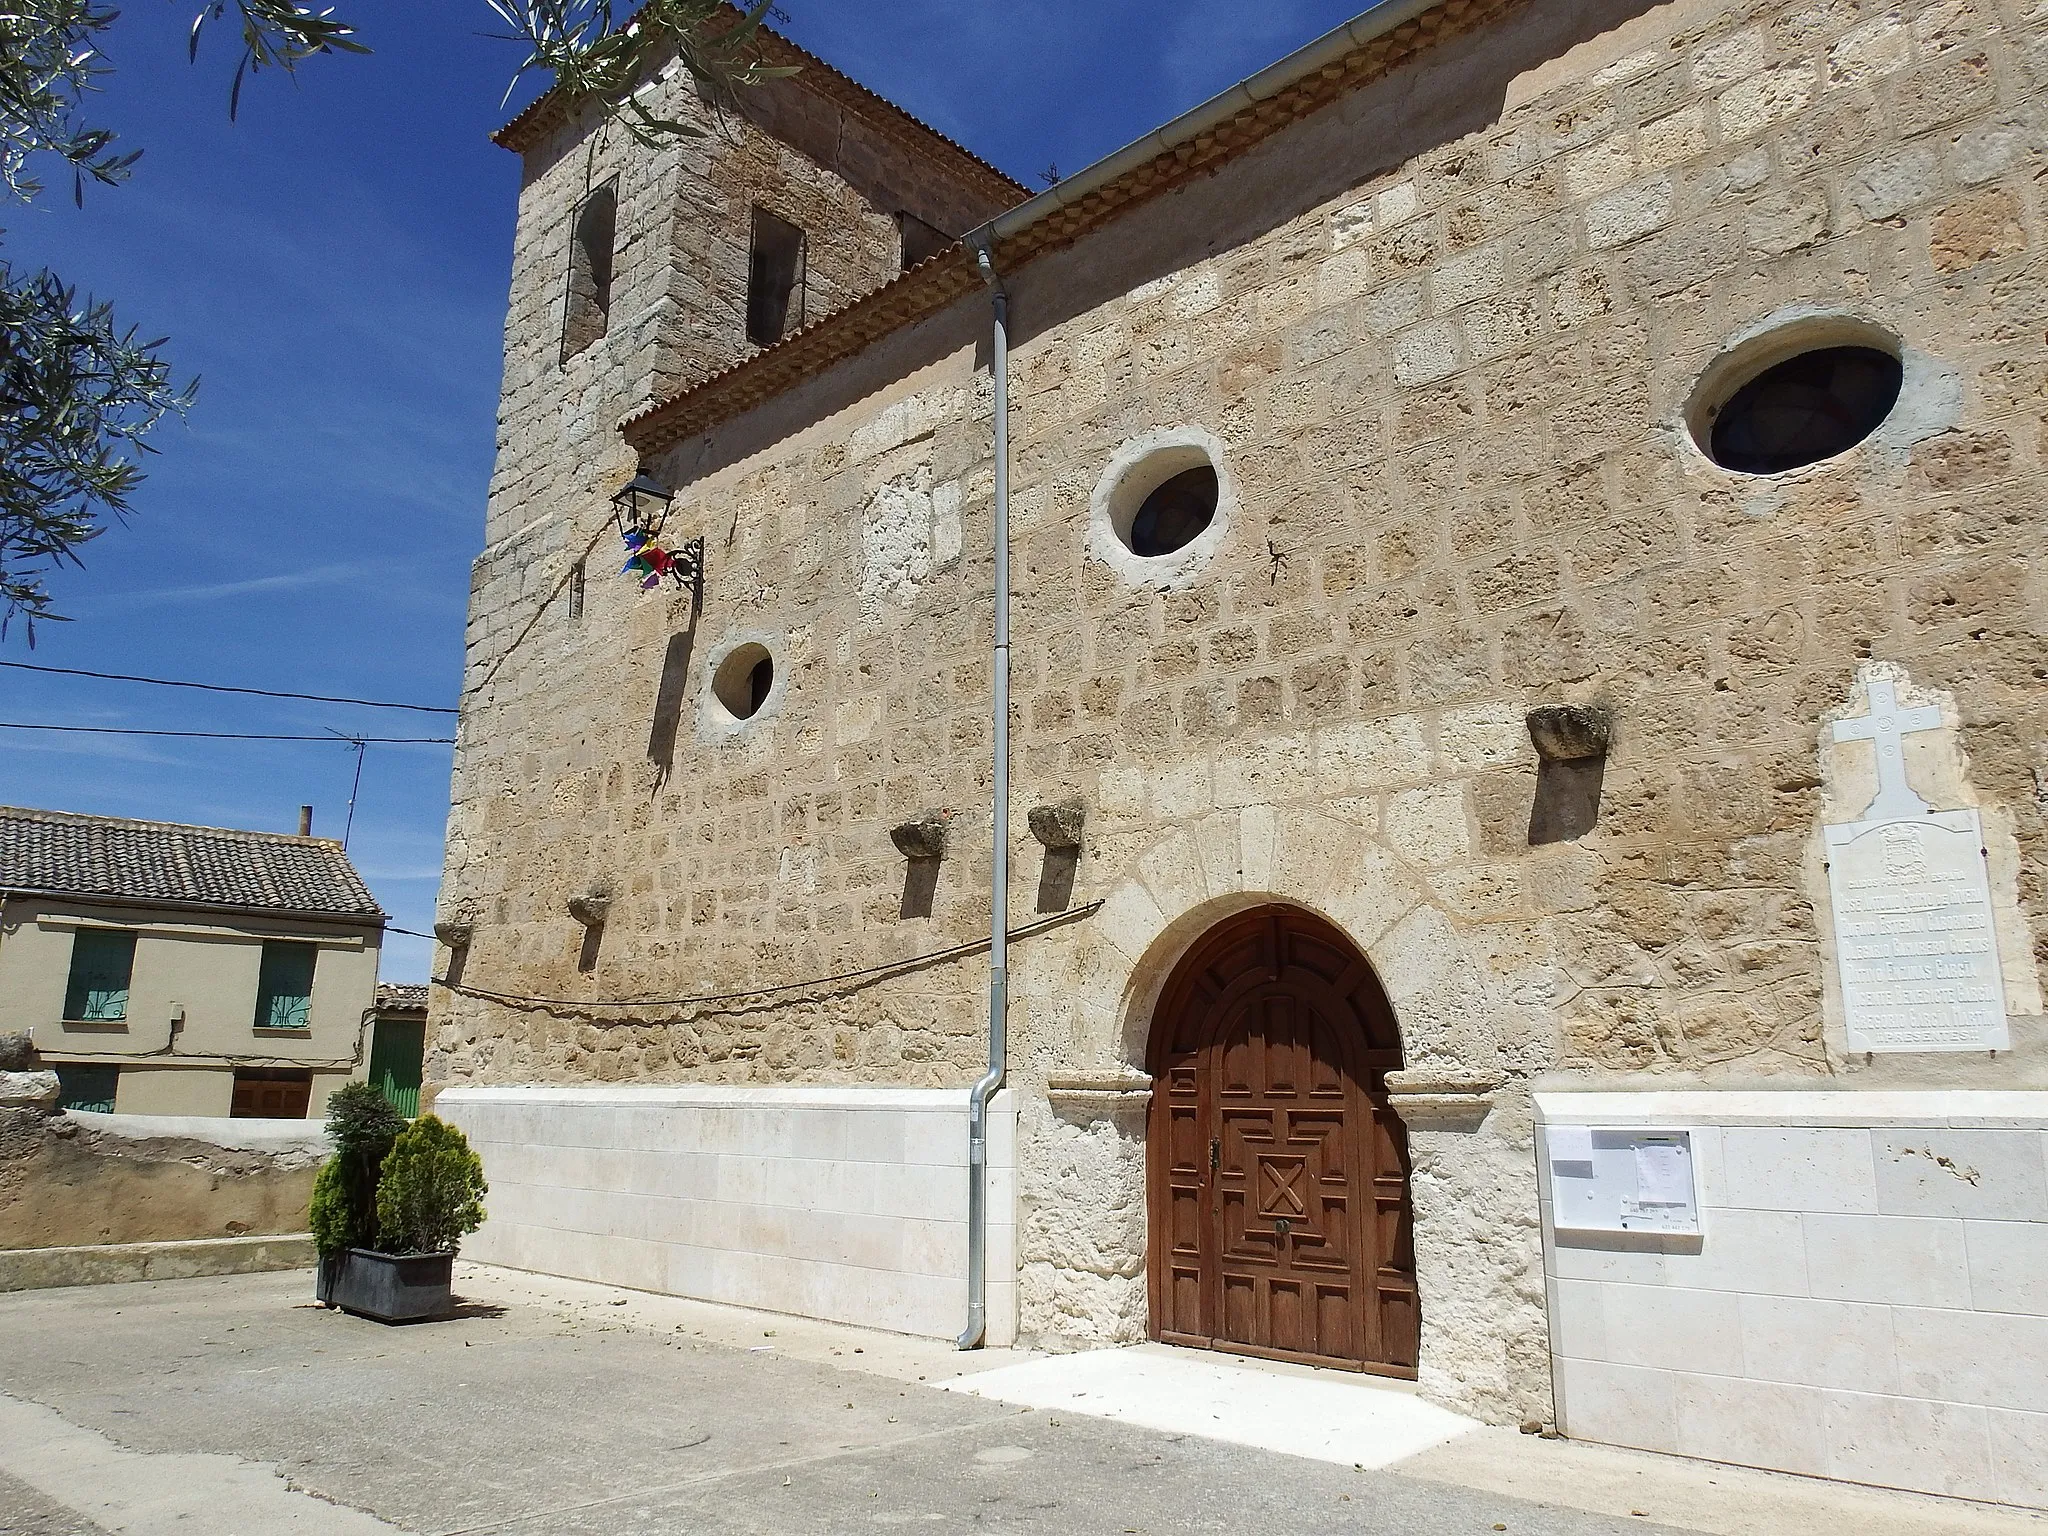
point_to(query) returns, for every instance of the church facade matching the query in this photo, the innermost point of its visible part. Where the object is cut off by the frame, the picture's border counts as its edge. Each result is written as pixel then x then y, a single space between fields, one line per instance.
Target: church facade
pixel 1526 801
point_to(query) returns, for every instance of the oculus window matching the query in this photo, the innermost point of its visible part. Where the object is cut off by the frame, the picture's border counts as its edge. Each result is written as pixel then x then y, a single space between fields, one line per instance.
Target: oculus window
pixel 1805 408
pixel 1163 506
pixel 1175 514
pixel 744 680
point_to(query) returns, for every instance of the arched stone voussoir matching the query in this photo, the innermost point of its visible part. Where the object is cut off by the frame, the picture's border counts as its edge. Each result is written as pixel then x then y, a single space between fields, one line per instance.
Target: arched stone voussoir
pixel 1444 995
pixel 1220 863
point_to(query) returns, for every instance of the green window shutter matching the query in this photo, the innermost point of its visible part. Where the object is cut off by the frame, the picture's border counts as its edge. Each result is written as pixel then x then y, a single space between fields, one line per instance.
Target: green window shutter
pixel 102 961
pixel 87 1087
pixel 395 1060
pixel 284 990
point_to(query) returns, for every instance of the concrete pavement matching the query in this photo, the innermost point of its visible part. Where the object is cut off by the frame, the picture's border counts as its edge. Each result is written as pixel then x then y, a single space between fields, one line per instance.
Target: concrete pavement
pixel 233 1405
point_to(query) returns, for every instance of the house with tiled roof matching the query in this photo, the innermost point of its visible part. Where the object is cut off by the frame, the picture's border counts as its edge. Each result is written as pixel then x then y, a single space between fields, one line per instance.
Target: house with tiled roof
pixel 179 970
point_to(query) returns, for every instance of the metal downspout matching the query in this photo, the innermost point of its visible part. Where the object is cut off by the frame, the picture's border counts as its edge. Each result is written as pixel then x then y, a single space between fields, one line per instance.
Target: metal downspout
pixel 999 891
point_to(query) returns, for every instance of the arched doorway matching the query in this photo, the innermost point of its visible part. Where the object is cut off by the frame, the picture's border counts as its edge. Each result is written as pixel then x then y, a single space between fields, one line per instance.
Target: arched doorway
pixel 1276 1170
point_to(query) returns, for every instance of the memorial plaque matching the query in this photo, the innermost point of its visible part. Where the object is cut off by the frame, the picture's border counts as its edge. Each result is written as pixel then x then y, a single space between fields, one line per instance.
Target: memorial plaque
pixel 1914 940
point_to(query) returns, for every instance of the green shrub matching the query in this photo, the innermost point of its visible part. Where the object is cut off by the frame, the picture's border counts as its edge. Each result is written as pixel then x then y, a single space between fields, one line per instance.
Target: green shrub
pixel 362 1125
pixel 329 1214
pixel 431 1191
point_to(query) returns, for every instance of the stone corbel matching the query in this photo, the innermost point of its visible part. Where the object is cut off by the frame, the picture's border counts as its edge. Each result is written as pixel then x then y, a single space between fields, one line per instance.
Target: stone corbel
pixel 1432 1099
pixel 1058 826
pixel 1076 1085
pixel 593 906
pixel 455 922
pixel 923 836
pixel 1082 1097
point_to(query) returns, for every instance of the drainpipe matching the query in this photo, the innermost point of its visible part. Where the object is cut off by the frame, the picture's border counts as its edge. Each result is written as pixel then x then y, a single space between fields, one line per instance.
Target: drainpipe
pixel 999 892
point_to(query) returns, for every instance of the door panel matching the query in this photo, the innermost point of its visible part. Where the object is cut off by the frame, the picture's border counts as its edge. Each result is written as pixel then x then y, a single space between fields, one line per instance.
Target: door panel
pixel 1278 1172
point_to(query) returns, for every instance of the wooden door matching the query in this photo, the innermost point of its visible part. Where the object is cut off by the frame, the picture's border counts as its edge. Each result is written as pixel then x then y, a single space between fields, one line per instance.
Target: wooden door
pixel 271 1093
pixel 1277 1170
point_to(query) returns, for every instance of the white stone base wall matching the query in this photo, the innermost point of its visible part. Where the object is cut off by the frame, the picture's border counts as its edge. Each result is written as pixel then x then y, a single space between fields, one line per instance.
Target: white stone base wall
pixel 848 1204
pixel 1867 1299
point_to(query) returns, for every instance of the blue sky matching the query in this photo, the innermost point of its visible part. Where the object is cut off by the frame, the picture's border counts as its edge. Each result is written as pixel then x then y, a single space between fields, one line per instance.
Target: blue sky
pixel 333 268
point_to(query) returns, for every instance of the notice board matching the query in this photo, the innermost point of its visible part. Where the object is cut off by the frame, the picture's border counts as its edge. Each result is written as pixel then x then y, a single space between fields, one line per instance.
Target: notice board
pixel 1628 1180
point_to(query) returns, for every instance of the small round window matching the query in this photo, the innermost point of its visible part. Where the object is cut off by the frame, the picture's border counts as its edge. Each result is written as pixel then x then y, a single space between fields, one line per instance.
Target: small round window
pixel 1802 409
pixel 1175 514
pixel 744 680
pixel 1163 506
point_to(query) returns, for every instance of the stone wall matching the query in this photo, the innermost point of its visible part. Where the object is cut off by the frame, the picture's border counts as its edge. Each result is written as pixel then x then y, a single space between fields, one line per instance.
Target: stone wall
pixel 841 1203
pixel 1869 1301
pixel 1446 334
pixel 72 1180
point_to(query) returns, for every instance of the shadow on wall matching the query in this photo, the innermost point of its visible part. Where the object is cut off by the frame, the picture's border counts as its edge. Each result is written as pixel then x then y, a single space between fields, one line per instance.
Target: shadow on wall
pixel 1451 91
pixel 1056 878
pixel 920 887
pixel 1567 800
pixel 668 703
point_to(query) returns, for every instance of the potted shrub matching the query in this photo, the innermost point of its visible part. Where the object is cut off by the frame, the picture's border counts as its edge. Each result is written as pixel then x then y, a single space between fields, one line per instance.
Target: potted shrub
pixel 428 1193
pixel 362 1125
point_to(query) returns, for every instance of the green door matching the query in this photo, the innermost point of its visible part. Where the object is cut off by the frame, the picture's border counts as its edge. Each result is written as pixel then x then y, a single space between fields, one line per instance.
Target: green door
pixel 395 1056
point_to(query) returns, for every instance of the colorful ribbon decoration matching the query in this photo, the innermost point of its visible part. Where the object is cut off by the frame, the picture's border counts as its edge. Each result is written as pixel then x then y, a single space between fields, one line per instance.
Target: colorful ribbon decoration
pixel 648 561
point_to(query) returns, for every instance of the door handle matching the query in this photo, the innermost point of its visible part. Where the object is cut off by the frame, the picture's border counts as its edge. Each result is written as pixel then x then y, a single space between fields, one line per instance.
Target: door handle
pixel 1215 1153
pixel 1282 1226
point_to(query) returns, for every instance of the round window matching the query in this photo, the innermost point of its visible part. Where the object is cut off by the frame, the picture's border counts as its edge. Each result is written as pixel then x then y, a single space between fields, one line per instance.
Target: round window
pixel 1175 514
pixel 1163 506
pixel 1802 409
pixel 744 680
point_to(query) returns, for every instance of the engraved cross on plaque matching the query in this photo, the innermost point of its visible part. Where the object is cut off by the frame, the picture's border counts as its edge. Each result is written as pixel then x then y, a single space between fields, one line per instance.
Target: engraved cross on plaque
pixel 1885 727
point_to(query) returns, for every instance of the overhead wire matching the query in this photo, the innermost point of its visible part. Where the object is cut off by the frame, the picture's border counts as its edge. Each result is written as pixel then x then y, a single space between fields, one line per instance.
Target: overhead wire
pixel 954 952
pixel 126 730
pixel 261 693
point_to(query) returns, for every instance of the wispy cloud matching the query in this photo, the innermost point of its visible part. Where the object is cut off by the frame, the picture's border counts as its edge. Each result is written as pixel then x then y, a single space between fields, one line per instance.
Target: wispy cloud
pixel 371 870
pixel 287 581
pixel 106 748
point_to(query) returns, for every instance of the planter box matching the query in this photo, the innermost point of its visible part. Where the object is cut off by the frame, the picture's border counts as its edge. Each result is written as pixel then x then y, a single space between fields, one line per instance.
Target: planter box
pixel 391 1287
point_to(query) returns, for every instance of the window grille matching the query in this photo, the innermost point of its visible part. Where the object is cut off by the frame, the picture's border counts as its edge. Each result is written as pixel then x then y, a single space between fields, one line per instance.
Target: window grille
pixel 102 964
pixel 284 989
pixel 92 1088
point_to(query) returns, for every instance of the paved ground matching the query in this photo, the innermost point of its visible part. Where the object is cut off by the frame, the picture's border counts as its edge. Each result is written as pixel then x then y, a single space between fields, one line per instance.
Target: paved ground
pixel 233 1405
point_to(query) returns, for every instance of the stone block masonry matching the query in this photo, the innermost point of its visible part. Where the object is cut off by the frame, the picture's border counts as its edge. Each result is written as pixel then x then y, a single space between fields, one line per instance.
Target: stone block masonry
pixel 842 1203
pixel 1447 335
pixel 1869 1300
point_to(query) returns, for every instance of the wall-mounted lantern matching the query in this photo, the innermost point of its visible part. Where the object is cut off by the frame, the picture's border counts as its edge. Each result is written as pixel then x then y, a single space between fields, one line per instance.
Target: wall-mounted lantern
pixel 642 505
pixel 639 510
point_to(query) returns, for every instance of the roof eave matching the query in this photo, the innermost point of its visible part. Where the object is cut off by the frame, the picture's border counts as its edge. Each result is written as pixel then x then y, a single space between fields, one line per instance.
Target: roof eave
pixel 1197 142
pixel 374 919
pixel 554 108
